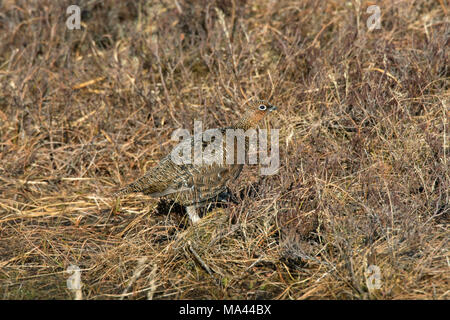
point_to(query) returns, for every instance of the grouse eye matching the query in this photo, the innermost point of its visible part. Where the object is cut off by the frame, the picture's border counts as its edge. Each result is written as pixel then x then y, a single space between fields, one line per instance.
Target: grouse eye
pixel 262 107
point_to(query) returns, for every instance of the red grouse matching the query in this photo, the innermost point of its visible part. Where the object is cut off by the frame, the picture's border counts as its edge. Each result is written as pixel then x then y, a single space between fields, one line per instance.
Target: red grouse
pixel 194 184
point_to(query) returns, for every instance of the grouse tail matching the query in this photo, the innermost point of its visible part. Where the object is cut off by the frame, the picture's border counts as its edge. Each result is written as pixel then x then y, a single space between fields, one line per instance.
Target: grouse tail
pixel 135 186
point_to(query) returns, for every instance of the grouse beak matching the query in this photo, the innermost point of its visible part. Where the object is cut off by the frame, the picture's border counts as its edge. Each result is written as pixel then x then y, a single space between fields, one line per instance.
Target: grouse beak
pixel 272 108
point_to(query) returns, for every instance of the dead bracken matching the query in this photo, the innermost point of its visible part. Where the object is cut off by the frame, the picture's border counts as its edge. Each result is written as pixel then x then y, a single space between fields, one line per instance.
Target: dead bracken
pixel 358 209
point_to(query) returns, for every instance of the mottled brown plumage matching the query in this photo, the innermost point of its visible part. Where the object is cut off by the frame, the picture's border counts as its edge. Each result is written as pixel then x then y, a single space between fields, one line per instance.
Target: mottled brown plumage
pixel 194 185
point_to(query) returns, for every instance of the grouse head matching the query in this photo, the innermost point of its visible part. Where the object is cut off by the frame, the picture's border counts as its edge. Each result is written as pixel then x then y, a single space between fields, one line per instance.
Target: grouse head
pixel 257 111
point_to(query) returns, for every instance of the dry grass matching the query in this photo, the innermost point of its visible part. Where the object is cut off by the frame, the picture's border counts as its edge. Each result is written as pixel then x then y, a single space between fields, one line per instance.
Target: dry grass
pixel 364 145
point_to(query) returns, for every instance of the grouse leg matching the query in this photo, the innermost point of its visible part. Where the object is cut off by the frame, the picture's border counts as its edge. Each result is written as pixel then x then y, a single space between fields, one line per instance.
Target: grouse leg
pixel 192 212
